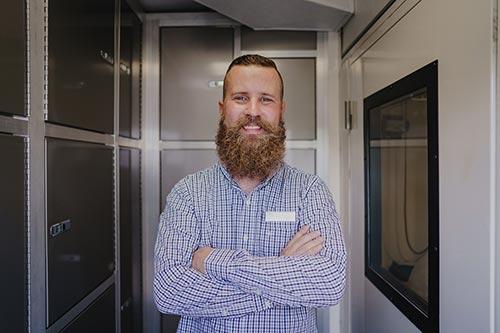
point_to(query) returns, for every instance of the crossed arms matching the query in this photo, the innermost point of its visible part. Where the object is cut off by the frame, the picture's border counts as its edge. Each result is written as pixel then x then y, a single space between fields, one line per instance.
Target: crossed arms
pixel 207 282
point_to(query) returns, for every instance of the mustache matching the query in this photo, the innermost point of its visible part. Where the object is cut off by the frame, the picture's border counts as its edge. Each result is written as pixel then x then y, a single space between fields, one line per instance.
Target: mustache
pixel 254 120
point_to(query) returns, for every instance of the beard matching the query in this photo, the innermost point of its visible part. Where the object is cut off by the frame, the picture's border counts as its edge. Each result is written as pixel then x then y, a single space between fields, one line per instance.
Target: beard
pixel 252 156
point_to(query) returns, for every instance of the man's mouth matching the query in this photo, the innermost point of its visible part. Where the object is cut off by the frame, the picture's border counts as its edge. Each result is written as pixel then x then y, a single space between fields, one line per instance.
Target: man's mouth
pixel 252 127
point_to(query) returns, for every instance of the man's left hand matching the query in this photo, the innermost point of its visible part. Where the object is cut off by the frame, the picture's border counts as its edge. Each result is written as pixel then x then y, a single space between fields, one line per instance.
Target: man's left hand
pixel 199 257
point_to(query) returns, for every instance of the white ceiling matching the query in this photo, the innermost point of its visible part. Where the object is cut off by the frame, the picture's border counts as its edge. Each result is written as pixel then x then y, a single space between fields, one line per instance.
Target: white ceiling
pixel 316 15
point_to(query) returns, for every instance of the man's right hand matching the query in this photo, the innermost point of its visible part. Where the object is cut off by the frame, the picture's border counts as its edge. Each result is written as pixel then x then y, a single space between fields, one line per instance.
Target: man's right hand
pixel 304 242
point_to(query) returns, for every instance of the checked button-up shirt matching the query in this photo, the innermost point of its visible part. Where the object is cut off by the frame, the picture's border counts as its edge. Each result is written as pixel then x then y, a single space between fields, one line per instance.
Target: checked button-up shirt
pixel 248 286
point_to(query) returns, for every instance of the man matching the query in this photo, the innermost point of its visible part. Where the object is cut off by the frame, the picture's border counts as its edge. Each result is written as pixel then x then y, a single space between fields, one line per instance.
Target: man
pixel 250 244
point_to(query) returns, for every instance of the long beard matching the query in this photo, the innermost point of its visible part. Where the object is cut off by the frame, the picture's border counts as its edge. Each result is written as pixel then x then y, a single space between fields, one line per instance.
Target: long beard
pixel 251 155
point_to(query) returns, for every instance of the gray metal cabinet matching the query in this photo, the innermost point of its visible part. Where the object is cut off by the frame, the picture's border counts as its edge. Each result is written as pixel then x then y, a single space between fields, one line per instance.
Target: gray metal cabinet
pixel 12 57
pixel 81 57
pixel 80 222
pixel 13 310
pixel 130 240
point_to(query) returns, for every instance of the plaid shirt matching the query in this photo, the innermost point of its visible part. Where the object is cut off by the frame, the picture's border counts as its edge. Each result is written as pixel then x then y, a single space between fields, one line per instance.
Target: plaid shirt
pixel 247 287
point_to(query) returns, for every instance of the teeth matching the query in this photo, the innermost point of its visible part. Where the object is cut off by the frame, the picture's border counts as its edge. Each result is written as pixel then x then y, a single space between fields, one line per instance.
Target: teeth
pixel 252 127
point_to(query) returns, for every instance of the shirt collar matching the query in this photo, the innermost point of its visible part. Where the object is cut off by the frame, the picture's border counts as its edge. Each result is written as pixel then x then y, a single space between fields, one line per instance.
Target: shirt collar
pixel 229 178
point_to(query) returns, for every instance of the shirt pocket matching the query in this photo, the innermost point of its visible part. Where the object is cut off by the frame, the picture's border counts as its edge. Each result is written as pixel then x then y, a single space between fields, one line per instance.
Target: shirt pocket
pixel 275 235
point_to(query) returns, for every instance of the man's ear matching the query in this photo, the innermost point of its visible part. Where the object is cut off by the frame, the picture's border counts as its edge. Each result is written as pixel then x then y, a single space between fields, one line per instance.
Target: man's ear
pixel 221 107
pixel 283 107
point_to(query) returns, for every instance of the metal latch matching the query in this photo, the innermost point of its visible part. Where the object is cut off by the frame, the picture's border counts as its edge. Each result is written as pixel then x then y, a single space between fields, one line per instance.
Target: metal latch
pixel 348 109
pixel 59 228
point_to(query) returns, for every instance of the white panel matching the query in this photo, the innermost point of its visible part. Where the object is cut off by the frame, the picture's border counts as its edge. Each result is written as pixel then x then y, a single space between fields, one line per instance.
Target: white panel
pixel 382 316
pixel 465 54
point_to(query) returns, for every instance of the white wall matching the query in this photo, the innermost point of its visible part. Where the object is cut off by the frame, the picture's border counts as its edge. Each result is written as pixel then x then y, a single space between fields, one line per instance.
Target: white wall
pixel 459 34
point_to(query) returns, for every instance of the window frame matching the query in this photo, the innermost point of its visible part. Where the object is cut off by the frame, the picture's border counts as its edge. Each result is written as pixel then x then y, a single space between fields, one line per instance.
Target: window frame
pixel 425 77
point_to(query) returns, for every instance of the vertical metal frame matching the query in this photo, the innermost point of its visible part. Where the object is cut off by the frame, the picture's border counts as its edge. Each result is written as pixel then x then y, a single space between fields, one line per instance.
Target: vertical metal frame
pixel 328 129
pixel 37 57
pixel 116 164
pixel 151 160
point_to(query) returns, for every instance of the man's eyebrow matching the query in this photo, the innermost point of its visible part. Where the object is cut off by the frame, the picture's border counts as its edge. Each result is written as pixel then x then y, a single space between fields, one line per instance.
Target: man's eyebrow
pixel 267 94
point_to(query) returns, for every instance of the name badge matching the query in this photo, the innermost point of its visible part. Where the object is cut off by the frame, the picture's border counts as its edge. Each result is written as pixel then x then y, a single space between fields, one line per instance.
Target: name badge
pixel 280 216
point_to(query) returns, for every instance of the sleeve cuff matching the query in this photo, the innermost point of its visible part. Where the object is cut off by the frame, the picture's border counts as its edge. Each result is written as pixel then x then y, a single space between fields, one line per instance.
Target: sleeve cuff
pixel 218 263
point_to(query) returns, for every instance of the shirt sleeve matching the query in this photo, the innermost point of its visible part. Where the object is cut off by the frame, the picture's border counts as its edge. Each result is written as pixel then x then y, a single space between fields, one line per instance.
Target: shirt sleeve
pixel 310 281
pixel 180 289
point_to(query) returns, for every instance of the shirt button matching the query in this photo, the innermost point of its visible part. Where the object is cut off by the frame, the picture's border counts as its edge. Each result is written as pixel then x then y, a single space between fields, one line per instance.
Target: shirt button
pixel 258 292
pixel 247 202
pixel 245 237
pixel 224 313
pixel 268 304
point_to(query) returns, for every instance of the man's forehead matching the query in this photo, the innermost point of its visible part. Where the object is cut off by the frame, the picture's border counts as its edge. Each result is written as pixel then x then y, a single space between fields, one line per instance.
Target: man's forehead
pixel 240 76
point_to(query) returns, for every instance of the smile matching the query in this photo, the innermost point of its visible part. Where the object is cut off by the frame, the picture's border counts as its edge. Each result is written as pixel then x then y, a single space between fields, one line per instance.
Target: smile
pixel 252 127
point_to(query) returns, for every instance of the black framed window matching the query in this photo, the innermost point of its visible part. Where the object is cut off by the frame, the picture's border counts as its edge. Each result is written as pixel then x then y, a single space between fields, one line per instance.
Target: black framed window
pixel 401 179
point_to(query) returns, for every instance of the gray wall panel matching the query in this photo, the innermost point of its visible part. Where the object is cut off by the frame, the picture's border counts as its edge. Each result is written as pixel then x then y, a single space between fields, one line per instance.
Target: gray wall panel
pixel 190 59
pixel 304 159
pixel 79 189
pixel 13 279
pixel 178 163
pixel 12 57
pixel 299 78
pixel 98 317
pixel 81 53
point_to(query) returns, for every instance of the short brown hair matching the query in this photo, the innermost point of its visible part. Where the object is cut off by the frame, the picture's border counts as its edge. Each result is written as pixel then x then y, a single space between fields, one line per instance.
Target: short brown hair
pixel 252 60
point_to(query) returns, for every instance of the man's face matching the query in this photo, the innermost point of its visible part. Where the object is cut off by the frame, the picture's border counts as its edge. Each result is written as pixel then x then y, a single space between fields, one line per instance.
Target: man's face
pixel 253 92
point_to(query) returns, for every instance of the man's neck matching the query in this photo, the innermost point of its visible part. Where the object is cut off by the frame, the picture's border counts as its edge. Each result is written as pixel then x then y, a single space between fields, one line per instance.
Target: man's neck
pixel 247 184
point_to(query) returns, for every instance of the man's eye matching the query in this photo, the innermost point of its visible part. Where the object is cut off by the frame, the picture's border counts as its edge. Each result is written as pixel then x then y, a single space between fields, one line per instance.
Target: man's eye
pixel 266 100
pixel 240 98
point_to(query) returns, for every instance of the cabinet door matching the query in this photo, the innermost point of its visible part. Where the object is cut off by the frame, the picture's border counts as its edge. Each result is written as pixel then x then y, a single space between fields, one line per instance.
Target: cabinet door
pixel 299 80
pixel 80 228
pixel 13 236
pixel 81 57
pixel 12 57
pixel 193 63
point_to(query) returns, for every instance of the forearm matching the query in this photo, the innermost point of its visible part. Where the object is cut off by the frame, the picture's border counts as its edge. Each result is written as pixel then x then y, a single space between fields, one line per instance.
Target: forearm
pixel 184 291
pixel 311 281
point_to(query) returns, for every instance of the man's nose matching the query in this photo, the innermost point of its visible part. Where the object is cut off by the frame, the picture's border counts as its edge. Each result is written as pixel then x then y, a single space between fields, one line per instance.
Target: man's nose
pixel 253 108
